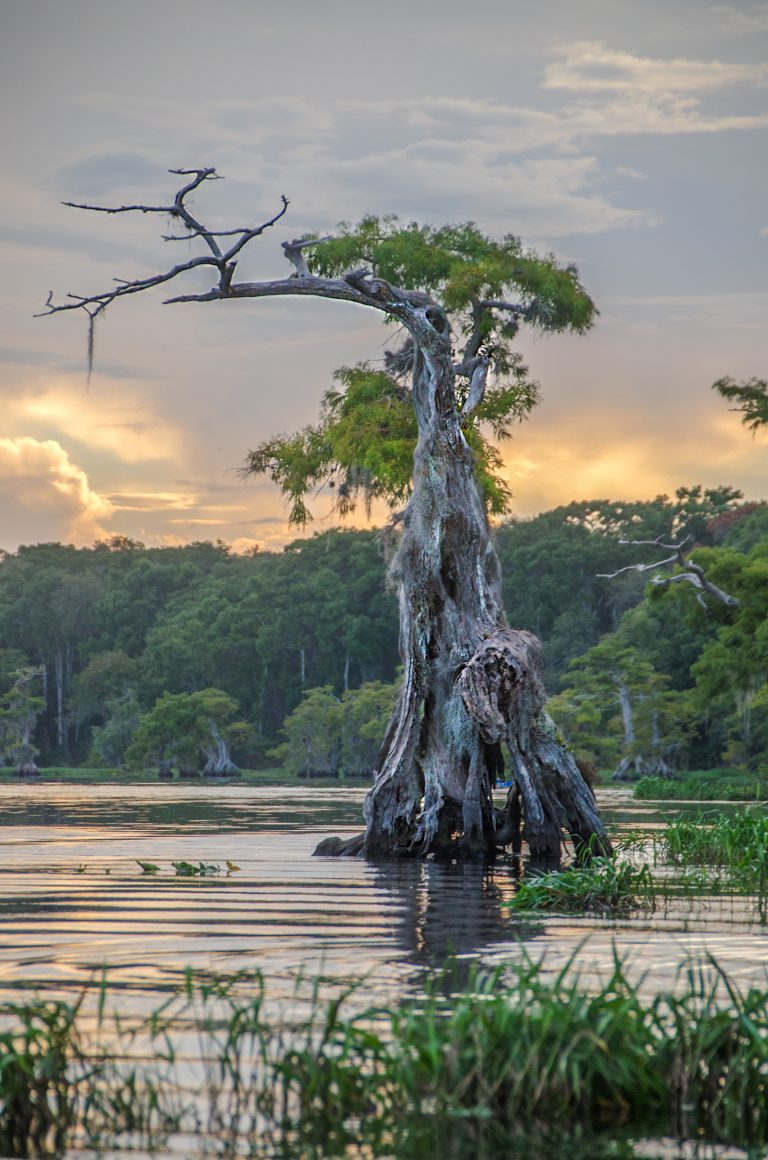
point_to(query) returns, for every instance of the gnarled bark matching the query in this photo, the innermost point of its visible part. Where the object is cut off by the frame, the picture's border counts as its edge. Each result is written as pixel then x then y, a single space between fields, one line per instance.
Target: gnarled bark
pixel 470 682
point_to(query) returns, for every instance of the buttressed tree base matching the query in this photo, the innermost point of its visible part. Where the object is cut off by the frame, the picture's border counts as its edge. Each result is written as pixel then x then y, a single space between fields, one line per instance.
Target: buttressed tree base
pixel 471 684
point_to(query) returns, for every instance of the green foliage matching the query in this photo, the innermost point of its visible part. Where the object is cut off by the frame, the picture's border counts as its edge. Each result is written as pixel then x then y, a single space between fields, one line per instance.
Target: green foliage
pixel 110 742
pixel 460 266
pixel 714 785
pixel 751 397
pixel 487 1062
pixel 196 869
pixel 363 445
pixel 179 727
pixel 327 735
pixel 57 1086
pixel 736 844
pixel 731 672
pixel 606 886
pixel 39 1100
pixel 119 625
pixel 365 713
pixel 313 732
pixel 618 708
pixel 20 707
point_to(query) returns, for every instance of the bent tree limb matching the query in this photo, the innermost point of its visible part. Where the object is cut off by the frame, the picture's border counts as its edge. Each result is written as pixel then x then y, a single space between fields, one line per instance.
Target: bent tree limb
pixel 691 573
pixel 471 683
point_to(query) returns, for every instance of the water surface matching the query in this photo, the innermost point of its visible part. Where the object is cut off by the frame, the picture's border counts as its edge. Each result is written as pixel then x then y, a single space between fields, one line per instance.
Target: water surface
pixel 73 898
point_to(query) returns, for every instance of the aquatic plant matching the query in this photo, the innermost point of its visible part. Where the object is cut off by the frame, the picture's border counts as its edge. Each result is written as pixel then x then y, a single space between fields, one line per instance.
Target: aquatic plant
pixel 516 1051
pixel 712 786
pixel 56 1086
pixel 738 842
pixel 734 846
pixel 605 886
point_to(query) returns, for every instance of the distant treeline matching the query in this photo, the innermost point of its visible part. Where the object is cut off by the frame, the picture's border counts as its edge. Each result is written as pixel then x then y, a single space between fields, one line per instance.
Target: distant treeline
pixel 110 630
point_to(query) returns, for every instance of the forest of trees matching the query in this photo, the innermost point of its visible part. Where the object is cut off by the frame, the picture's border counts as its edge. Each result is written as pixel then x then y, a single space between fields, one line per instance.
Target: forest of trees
pixel 115 654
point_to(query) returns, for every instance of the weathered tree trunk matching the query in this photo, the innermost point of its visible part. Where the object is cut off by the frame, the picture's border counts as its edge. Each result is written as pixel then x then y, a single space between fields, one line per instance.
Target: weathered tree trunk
pixel 219 762
pixel 635 764
pixel 470 682
pixel 25 751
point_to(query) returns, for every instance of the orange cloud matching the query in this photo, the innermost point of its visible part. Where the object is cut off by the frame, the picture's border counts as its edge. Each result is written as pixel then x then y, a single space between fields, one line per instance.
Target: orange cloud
pixel 44 496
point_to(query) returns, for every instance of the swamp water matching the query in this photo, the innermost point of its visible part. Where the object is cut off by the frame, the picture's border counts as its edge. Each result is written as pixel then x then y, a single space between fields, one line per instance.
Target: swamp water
pixel 73 901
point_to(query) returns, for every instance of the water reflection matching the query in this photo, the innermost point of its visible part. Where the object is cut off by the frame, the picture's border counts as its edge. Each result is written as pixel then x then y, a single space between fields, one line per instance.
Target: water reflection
pixel 450 911
pixel 72 897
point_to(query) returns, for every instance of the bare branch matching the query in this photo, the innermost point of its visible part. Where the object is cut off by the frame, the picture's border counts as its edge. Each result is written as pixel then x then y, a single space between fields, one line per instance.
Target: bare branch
pixel 119 208
pixel 294 252
pixel 657 543
pixel 222 260
pixel 415 308
pixel 100 301
pixel 692 573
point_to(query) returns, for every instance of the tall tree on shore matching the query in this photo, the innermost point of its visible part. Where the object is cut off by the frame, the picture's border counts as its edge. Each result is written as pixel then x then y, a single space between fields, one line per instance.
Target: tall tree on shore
pixel 470 682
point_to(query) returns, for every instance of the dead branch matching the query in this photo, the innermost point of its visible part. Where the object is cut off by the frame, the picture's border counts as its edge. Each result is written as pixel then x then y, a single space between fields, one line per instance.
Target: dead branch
pixel 691 573
pixel 220 259
pixel 294 252
pixel 413 307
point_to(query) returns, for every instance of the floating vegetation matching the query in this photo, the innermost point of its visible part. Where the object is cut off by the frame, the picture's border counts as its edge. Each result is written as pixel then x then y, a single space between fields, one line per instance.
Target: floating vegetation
pixel 191 869
pixel 519 1050
pixel 196 869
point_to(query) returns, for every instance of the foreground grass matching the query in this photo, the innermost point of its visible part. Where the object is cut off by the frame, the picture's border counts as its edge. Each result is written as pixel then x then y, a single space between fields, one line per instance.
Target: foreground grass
pixel 514 1055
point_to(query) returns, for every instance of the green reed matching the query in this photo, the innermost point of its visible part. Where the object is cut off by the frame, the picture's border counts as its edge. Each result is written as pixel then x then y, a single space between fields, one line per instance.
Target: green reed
pixel 517 1053
pixel 605 886
pixel 712 785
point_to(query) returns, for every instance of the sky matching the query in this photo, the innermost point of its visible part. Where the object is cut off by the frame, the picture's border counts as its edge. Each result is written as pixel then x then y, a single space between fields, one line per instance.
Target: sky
pixel 627 136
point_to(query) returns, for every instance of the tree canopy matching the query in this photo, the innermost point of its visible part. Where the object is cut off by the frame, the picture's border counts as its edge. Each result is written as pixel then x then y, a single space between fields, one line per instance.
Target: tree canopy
pixel 362 447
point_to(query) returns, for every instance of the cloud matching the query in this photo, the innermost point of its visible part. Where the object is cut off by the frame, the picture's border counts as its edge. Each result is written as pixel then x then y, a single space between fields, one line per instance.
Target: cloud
pixel 152 501
pixel 100 173
pixel 44 496
pixel 742 21
pixel 426 156
pixel 120 423
pixel 550 466
pixel 593 67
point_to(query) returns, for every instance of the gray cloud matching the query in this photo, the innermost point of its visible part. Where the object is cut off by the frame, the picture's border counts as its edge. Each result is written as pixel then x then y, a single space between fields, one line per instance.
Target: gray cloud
pixel 632 147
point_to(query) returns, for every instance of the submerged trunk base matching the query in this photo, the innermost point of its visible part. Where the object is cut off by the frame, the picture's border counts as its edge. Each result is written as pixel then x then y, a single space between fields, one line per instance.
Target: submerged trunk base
pixel 497 702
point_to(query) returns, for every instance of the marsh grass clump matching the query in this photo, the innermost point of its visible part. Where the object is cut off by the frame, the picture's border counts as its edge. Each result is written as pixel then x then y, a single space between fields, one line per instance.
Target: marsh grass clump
pixel 736 842
pixel 605 886
pixel 41 1072
pixel 706 786
pixel 56 1086
pixel 731 851
pixel 517 1055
